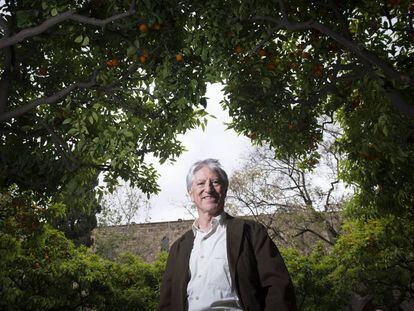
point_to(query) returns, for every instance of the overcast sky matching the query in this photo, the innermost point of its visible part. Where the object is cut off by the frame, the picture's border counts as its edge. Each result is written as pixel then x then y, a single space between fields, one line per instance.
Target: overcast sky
pixel 215 142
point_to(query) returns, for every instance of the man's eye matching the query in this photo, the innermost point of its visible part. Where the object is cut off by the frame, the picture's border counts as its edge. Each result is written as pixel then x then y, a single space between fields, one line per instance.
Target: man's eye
pixel 216 182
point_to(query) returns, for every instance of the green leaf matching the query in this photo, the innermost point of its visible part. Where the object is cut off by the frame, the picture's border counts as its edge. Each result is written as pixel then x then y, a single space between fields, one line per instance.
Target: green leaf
pixel 85 41
pixel 23 19
pixel 204 54
pixel 54 12
pixel 193 84
pixel 79 39
pixel 73 131
pixel 385 130
pixel 131 51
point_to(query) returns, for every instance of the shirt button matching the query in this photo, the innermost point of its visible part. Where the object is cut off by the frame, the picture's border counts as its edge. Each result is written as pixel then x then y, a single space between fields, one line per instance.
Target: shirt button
pixel 201 256
pixel 199 275
pixel 197 298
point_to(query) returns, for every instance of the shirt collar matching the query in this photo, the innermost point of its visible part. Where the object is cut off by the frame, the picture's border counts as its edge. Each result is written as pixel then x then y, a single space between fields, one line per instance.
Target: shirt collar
pixel 215 222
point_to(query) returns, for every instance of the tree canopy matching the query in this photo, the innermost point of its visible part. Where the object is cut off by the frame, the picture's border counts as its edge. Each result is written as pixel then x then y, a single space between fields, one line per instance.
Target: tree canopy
pixel 292 67
pixel 94 88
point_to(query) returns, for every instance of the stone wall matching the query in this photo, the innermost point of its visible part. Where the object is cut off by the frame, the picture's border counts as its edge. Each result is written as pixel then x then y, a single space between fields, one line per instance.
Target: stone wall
pixel 145 240
pixel 297 228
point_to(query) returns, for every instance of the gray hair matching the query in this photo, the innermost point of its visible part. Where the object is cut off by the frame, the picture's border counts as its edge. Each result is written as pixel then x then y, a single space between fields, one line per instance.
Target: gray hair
pixel 212 164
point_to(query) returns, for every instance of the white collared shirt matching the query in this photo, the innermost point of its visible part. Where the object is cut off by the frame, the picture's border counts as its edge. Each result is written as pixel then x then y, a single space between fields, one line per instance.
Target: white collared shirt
pixel 210 281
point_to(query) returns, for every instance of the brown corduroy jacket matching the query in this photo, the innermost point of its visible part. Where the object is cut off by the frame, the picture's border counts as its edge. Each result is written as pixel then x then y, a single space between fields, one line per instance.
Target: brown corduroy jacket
pixel 256 267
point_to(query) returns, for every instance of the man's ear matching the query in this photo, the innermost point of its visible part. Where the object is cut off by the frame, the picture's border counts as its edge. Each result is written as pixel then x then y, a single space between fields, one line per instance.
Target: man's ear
pixel 190 194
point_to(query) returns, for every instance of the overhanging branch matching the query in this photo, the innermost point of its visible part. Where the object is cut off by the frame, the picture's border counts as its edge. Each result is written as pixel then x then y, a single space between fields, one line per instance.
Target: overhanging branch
pixel 5 81
pixel 359 51
pixel 51 99
pixel 68 15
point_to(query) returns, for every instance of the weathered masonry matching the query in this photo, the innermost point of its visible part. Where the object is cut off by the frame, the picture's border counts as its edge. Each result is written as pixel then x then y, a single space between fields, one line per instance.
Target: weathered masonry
pixel 300 229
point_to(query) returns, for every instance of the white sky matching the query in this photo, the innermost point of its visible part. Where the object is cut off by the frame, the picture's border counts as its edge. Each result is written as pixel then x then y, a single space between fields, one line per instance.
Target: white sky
pixel 215 142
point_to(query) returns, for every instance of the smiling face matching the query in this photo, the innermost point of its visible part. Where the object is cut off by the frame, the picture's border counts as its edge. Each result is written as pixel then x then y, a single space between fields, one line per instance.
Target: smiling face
pixel 208 192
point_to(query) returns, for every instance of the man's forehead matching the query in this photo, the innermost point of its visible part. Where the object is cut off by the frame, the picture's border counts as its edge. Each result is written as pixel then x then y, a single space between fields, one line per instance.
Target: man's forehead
pixel 205 172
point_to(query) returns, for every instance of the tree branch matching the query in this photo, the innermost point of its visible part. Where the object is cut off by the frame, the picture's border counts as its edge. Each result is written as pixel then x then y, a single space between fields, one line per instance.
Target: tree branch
pixel 328 196
pixel 361 52
pixel 399 102
pixel 68 15
pixel 303 231
pixel 5 82
pixel 51 99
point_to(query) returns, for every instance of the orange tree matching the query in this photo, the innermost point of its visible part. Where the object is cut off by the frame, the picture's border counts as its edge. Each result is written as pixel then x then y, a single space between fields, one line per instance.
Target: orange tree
pixel 92 87
pixel 40 269
pixel 89 88
pixel 291 67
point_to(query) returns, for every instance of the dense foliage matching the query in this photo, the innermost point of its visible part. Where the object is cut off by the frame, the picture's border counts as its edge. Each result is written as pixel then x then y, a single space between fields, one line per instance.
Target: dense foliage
pixel 40 269
pixel 92 88
pixel 292 67
pixel 80 97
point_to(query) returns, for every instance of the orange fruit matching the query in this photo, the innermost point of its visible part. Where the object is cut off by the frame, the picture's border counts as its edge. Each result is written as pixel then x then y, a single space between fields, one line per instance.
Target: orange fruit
pixel 112 63
pixel 156 26
pixel 323 12
pixel 142 59
pixel 293 65
pixel 238 49
pixel 179 57
pixel 394 2
pixel 261 52
pixel 318 70
pixel 355 103
pixel 143 27
pixel 252 136
pixel 270 66
pixel 43 71
pixel 306 55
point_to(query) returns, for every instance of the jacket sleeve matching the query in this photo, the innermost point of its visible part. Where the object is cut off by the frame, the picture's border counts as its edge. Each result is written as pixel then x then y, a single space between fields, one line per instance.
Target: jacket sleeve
pixel 273 274
pixel 166 285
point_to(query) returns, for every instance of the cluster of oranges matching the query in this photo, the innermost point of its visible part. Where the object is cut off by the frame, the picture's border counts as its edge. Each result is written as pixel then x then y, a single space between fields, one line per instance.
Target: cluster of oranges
pixel 143 57
pixel 144 27
pixel 112 63
pixel 394 2
pixel 318 70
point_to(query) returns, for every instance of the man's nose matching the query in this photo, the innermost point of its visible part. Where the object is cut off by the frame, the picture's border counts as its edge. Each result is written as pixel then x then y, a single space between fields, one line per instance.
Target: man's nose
pixel 208 186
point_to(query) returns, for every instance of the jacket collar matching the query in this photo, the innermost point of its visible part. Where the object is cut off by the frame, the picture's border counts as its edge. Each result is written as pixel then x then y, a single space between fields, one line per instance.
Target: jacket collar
pixel 235 229
pixel 185 247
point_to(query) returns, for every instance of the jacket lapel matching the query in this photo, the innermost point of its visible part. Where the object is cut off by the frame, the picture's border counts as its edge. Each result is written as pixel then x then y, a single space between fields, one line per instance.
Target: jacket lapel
pixel 185 247
pixel 235 229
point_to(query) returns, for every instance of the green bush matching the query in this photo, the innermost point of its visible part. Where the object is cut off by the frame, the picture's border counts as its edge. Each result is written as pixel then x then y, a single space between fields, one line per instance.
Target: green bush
pixel 40 269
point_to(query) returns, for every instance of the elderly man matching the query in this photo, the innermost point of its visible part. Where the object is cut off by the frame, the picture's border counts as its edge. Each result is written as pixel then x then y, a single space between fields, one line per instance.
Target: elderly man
pixel 223 263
